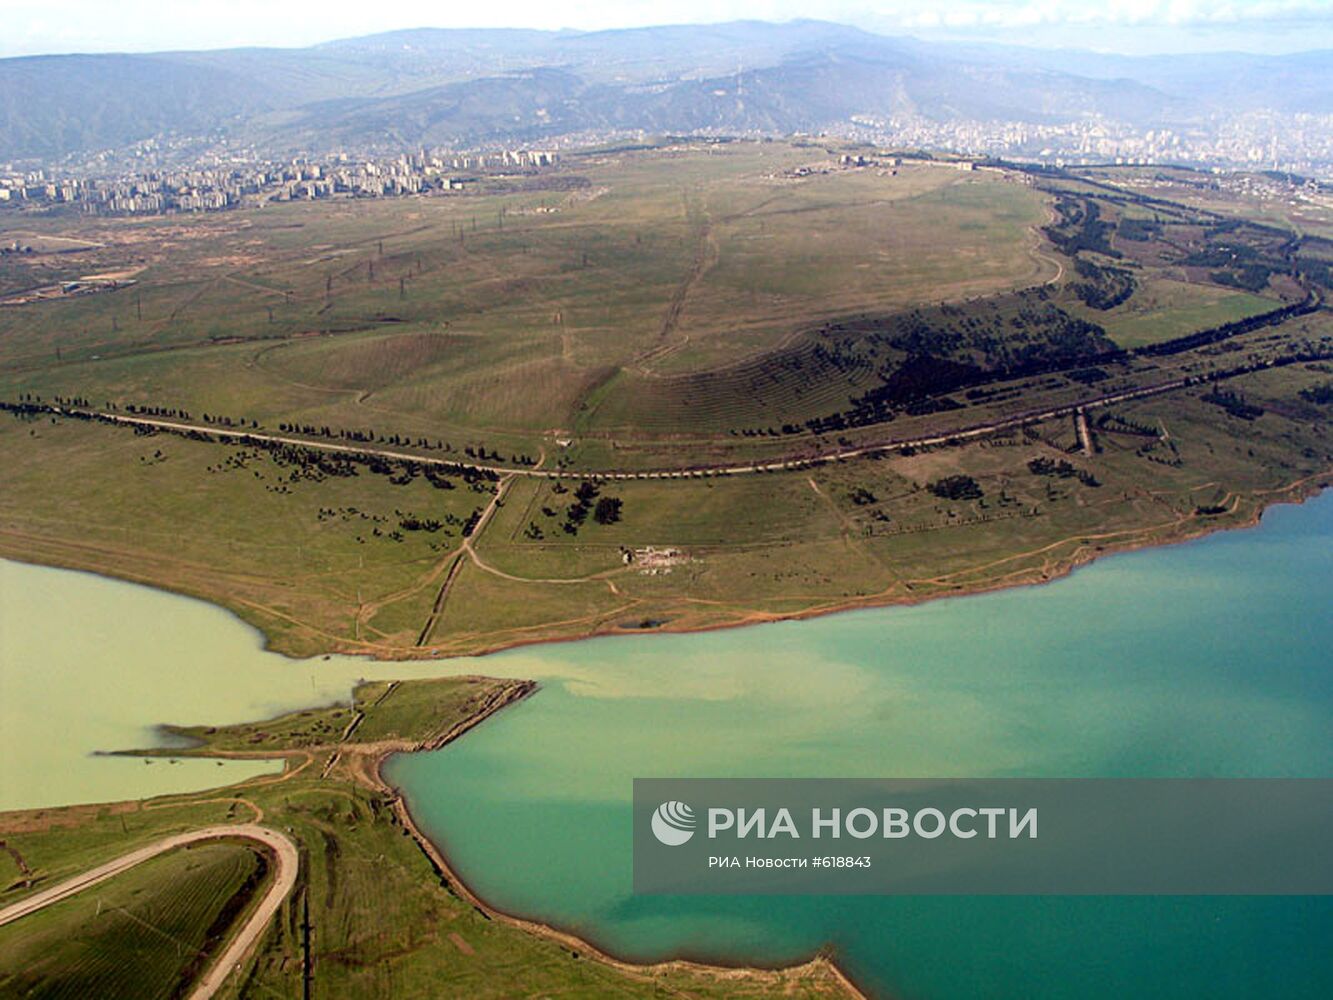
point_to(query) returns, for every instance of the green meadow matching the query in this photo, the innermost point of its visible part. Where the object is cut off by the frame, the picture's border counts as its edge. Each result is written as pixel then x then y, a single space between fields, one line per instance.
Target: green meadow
pixel 678 308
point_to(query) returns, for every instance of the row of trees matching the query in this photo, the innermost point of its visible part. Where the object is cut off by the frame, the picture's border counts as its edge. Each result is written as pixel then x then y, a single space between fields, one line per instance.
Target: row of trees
pixel 588 501
pixel 1061 469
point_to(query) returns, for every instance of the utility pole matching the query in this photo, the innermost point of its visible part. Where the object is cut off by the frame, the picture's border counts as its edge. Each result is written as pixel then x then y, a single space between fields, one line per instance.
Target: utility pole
pixel 307 966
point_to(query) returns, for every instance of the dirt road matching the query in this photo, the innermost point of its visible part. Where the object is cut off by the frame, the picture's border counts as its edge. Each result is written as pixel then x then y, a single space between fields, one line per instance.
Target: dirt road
pixel 284 850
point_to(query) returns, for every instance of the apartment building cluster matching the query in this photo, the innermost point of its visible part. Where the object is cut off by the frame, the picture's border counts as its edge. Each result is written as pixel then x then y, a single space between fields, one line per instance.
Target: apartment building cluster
pixel 227 185
pixel 1300 144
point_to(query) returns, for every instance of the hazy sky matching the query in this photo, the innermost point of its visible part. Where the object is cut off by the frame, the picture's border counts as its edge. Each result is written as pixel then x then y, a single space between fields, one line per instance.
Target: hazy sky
pixel 1133 26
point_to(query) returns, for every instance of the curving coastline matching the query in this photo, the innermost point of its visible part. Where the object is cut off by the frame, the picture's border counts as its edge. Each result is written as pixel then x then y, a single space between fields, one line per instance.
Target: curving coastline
pixel 1187 528
pixel 364 762
pixel 818 965
pixel 1295 493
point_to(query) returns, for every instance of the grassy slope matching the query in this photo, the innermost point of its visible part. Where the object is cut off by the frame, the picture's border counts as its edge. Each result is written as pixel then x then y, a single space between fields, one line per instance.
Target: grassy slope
pixel 525 312
pixel 141 936
pixel 1166 308
pixel 251 537
pixel 490 318
pixel 757 545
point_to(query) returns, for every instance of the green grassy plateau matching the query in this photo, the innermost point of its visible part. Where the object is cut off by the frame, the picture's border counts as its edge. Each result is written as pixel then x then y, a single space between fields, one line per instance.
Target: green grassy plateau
pixel 506 414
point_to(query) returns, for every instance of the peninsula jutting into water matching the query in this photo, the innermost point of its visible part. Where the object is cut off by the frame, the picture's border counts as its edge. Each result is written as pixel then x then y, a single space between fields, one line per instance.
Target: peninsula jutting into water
pixel 1090 675
pixel 411 440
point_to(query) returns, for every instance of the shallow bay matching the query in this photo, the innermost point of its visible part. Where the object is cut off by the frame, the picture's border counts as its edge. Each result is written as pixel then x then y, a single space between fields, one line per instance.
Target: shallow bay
pixel 1205 659
pixel 1209 658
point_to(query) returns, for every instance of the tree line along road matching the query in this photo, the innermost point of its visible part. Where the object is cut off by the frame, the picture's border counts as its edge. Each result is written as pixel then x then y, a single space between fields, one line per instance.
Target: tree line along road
pixel 964 433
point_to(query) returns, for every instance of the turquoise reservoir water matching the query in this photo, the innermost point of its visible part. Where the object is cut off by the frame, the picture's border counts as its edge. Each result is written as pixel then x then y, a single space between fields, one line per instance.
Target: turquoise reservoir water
pixel 1206 659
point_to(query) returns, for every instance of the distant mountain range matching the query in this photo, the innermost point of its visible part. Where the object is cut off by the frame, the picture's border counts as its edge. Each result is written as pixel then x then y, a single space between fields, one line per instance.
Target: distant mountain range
pixel 438 86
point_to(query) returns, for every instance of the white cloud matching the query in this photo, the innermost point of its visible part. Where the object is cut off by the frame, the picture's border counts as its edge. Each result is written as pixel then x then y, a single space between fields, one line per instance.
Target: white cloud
pixel 139 25
pixel 1011 14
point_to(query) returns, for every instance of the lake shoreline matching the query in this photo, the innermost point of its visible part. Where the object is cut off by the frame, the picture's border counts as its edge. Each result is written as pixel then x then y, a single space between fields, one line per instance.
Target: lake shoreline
pixel 1294 494
pixel 819 964
pixel 1187 528
pixel 369 760
pixel 364 763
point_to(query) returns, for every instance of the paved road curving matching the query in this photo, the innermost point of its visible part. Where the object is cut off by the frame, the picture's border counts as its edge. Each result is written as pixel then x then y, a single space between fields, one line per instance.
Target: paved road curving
pixel 284 850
